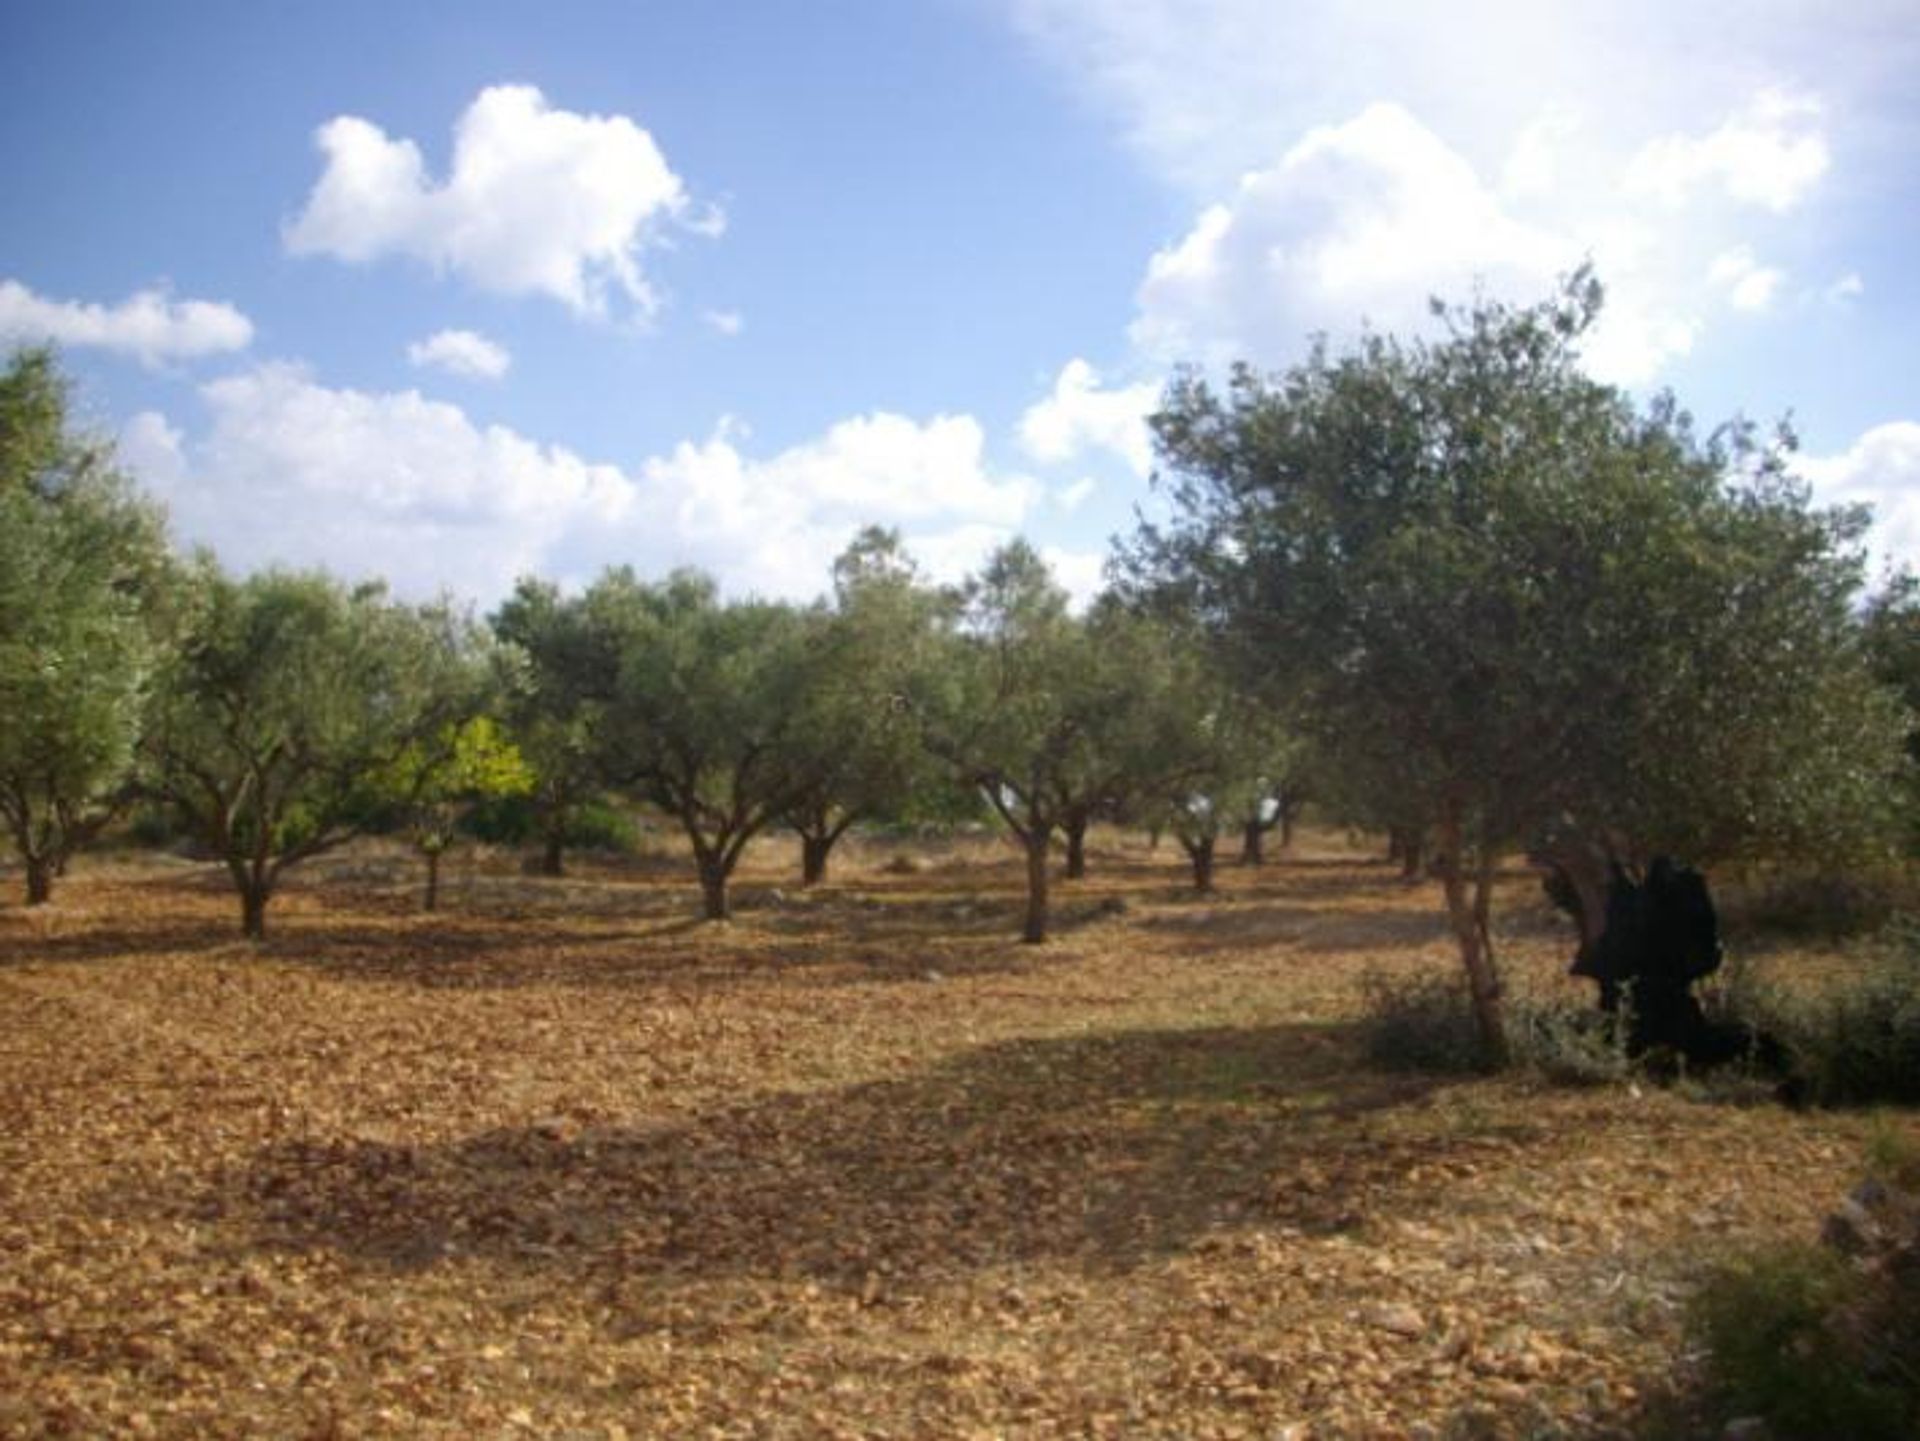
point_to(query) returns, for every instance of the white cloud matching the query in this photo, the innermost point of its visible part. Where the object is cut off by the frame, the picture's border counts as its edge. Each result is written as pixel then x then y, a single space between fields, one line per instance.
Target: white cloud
pixel 1848 287
pixel 1347 161
pixel 461 352
pixel 1080 572
pixel 293 472
pixel 725 322
pixel 1069 498
pixel 1770 153
pixel 1080 415
pixel 537 201
pixel 1748 284
pixel 149 325
pixel 1881 468
pixel 1362 220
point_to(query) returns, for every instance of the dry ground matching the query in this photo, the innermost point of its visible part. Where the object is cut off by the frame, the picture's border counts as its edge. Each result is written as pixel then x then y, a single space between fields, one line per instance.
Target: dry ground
pixel 560 1162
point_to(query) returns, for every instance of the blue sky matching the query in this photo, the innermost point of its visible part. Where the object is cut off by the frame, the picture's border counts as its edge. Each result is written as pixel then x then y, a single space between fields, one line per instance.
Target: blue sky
pixel 450 293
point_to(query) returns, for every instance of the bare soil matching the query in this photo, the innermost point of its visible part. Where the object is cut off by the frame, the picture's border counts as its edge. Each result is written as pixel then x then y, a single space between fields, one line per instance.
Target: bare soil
pixel 561 1161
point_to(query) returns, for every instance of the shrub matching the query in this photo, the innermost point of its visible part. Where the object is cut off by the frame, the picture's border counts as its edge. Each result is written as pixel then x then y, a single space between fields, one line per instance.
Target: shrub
pixel 1831 907
pixel 1824 1341
pixel 1858 1043
pixel 1572 1045
pixel 1420 1023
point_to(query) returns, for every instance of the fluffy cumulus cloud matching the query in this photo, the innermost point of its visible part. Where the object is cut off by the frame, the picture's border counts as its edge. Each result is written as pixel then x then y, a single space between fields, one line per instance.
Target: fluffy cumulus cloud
pixel 1346 162
pixel 291 471
pixel 1881 469
pixel 1081 415
pixel 536 201
pixel 1770 154
pixel 1365 219
pixel 461 352
pixel 149 325
pixel 1747 283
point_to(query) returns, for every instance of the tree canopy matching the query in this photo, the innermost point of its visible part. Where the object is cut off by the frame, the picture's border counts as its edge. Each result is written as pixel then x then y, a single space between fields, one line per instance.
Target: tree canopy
pixel 81 557
pixel 1515 603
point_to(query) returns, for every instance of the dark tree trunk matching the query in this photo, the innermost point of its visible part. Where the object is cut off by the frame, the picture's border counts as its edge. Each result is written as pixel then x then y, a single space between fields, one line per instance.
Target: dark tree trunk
pixel 1200 852
pixel 1289 813
pixel 433 881
pixel 1038 842
pixel 253 909
pixel 40 873
pixel 1253 843
pixel 713 888
pixel 553 858
pixel 1407 844
pixel 1469 912
pixel 814 850
pixel 1076 849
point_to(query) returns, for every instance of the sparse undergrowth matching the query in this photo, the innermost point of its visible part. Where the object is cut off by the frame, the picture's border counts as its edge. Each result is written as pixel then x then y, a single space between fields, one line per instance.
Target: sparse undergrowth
pixel 1823 1340
pixel 560 1161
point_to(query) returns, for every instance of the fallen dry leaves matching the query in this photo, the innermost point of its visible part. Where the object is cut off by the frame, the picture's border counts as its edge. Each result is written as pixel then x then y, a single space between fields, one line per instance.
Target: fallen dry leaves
pixel 560 1162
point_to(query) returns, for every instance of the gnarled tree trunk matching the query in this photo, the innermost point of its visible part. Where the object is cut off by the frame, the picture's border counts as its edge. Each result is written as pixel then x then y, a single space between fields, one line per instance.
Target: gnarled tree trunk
pixel 1038 842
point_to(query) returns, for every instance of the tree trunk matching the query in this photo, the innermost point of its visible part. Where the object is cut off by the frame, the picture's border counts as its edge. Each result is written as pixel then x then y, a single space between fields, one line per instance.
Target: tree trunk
pixel 1200 852
pixel 713 888
pixel 1253 843
pixel 553 858
pixel 814 850
pixel 1469 912
pixel 1289 813
pixel 40 873
pixel 1038 841
pixel 1408 846
pixel 253 909
pixel 1076 830
pixel 433 881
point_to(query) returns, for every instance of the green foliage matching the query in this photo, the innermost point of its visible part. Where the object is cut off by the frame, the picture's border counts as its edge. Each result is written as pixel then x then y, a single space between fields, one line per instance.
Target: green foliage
pixel 707 709
pixel 568 658
pixel 81 560
pixel 1786 1339
pixel 853 741
pixel 1420 1023
pixel 285 710
pixel 1857 1042
pixel 1506 598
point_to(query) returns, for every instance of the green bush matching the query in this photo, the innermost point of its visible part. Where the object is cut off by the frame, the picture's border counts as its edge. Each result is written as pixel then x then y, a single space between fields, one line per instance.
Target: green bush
pixel 1571 1045
pixel 1420 1023
pixel 1857 1043
pixel 1831 907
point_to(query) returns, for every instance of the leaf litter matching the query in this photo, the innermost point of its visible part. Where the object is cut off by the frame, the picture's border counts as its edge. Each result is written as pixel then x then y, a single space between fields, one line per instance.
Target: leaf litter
pixel 558 1162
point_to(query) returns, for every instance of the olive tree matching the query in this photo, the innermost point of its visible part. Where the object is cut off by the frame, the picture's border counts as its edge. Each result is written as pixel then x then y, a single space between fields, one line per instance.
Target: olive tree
pixel 1052 718
pixel 1520 606
pixel 81 558
pixel 708 699
pixel 554 716
pixel 856 751
pixel 282 711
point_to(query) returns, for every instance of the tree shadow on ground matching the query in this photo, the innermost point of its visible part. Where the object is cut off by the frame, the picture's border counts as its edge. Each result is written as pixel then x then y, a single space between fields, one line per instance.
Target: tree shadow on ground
pixel 1107 1150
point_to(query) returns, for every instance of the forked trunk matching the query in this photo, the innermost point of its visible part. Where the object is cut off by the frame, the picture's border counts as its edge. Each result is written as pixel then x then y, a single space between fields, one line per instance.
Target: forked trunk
pixel 1469 911
pixel 1038 841
pixel 40 873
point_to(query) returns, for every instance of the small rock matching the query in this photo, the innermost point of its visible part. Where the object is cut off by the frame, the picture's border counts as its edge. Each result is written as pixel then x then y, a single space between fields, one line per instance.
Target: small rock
pixel 1746 1428
pixel 1851 1229
pixel 1397 1318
